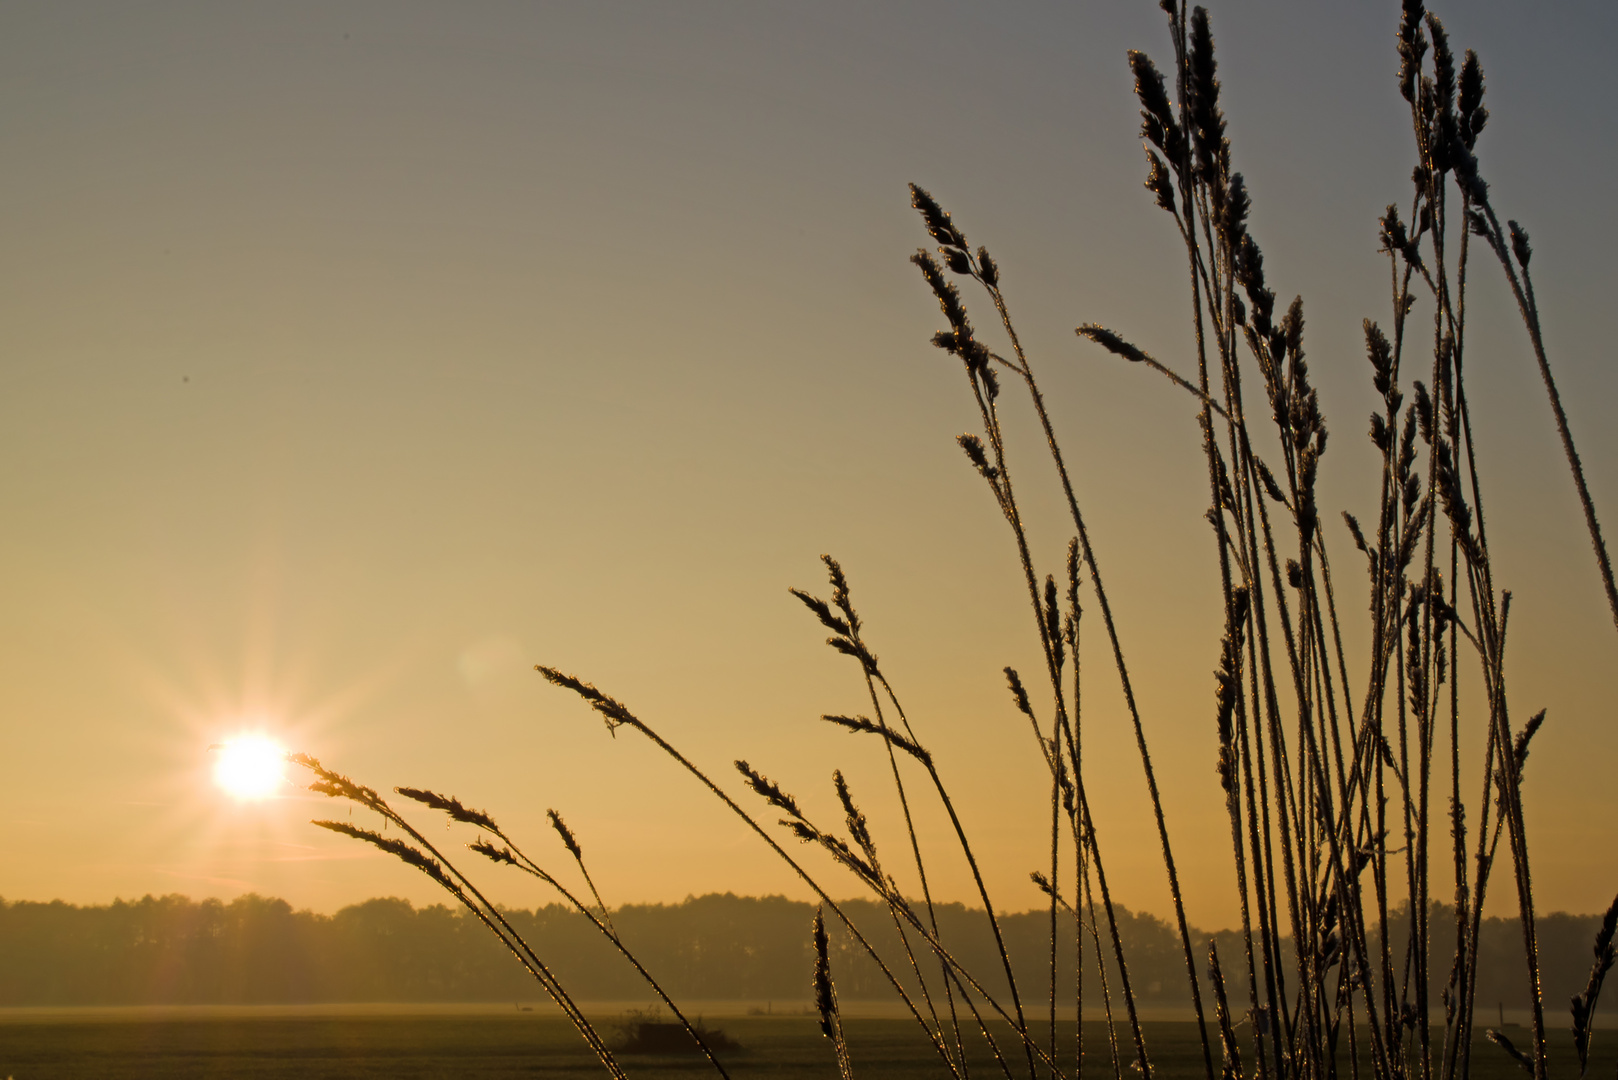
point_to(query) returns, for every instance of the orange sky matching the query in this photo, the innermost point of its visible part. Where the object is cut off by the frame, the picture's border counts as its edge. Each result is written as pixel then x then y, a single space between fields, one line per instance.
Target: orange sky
pixel 355 358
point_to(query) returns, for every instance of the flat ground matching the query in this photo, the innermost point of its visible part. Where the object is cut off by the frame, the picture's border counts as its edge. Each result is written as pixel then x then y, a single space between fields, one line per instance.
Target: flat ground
pixel 188 1045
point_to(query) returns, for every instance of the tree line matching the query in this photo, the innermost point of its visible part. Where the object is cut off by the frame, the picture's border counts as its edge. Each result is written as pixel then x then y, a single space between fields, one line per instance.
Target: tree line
pixel 258 950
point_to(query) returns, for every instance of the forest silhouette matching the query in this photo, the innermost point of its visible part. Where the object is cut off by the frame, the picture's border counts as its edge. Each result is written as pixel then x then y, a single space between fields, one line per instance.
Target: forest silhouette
pixel 258 950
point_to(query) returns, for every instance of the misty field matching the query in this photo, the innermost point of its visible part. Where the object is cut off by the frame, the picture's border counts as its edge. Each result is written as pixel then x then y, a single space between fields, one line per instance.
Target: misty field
pixel 520 1044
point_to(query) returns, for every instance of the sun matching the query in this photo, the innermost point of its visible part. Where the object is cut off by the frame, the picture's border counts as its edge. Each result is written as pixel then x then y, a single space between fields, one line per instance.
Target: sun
pixel 249 766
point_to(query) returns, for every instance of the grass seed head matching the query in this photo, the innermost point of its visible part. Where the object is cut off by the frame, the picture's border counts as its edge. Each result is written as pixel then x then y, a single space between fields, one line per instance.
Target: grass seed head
pixel 1584 1004
pixel 1018 693
pixel 611 710
pixel 1519 244
pixel 1207 121
pixel 1412 47
pixel 988 269
pixel 894 738
pixel 858 828
pixel 936 219
pixel 1519 746
pixel 1473 115
pixel 1158 181
pixel 769 790
pixel 397 848
pixel 1499 1039
pixel 569 841
pixel 822 612
pixel 489 851
pixel 336 785
pixel 825 995
pixel 1111 342
pixel 451 806
pixel 1157 125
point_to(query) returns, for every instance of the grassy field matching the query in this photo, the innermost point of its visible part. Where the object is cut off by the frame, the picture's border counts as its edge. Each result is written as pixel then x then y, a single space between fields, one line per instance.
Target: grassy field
pixel 492 1045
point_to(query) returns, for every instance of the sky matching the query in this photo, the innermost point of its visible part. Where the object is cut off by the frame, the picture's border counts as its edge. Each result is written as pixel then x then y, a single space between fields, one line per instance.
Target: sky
pixel 356 357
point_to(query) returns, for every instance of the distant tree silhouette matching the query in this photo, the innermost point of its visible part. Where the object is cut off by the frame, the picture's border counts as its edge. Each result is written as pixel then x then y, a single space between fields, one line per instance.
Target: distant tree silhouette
pixel 258 950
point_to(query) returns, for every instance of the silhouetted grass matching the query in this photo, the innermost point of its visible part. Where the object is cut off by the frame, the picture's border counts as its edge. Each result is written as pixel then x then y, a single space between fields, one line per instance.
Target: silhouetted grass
pixel 1328 776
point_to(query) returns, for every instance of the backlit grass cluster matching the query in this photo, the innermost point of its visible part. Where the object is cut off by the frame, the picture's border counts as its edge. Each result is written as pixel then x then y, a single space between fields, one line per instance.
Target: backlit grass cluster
pixel 1343 785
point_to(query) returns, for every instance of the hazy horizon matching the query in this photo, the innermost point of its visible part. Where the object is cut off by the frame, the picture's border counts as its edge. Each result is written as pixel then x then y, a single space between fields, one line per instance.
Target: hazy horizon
pixel 446 901
pixel 704 948
pixel 358 358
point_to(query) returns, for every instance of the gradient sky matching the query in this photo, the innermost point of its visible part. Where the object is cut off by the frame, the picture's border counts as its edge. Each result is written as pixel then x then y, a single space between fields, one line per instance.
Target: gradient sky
pixel 355 357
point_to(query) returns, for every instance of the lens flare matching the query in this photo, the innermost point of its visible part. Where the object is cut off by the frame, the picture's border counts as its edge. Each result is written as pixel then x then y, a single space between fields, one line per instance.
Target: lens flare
pixel 250 767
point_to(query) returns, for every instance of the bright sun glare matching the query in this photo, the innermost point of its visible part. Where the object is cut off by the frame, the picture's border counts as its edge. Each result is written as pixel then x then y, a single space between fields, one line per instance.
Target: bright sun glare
pixel 249 767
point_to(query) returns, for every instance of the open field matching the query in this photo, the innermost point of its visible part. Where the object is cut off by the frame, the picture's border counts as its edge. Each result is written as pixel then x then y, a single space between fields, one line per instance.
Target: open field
pixel 473 1041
